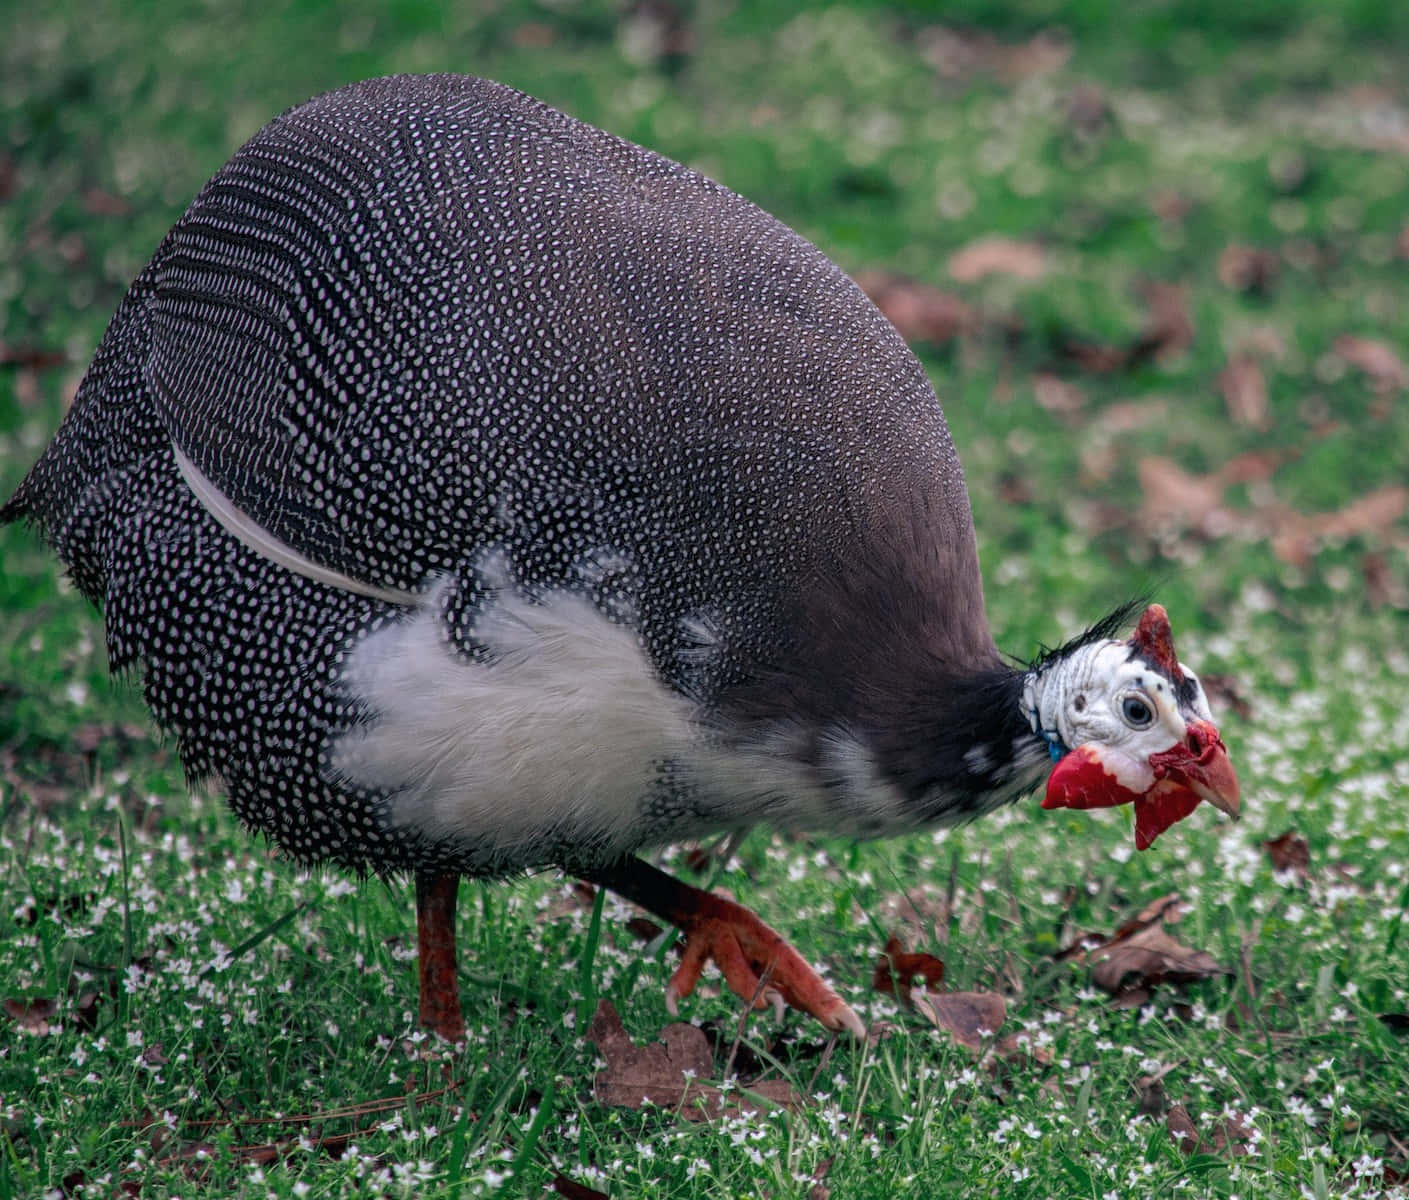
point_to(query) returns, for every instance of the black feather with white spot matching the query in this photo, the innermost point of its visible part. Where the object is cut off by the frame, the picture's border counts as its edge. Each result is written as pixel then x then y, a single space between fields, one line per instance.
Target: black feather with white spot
pixel 425 323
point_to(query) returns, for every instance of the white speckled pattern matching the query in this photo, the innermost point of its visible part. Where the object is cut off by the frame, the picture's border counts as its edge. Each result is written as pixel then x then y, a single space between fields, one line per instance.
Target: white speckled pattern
pixel 422 324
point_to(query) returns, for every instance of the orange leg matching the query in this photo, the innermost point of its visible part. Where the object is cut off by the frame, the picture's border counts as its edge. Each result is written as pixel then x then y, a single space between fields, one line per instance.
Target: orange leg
pixel 756 962
pixel 435 933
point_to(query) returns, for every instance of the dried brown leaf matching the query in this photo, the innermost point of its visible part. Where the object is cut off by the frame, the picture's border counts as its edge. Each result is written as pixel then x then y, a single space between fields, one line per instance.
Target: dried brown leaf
pixel 1232 1137
pixel 32 1016
pixel 1226 691
pixel 1140 955
pixel 1096 359
pixel 961 53
pixel 1088 111
pixel 1376 359
pixel 1058 396
pixel 998 256
pixel 1245 392
pixel 921 313
pixel 1149 957
pixel 36 358
pixel 105 204
pixel 576 1191
pixel 1172 496
pixel 897 968
pixel 1150 1089
pixel 1171 207
pixel 1382 589
pixel 1296 536
pixel 1182 1129
pixel 1245 269
pixel 1289 852
pixel 968 1017
pixel 665 1073
pixel 1169 329
pixel 534 35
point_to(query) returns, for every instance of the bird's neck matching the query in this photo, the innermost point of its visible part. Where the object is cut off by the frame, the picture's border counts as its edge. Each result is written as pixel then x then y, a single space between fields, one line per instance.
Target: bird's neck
pixel 970 747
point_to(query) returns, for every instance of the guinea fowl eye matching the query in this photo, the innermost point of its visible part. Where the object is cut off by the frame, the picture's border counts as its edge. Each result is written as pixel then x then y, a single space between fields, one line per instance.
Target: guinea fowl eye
pixel 1136 711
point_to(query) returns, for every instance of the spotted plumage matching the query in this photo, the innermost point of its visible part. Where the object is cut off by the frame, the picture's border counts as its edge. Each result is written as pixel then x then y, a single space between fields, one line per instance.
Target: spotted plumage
pixel 475 491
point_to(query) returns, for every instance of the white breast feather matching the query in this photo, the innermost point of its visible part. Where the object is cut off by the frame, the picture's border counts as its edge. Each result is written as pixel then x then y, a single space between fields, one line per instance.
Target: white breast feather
pixel 561 734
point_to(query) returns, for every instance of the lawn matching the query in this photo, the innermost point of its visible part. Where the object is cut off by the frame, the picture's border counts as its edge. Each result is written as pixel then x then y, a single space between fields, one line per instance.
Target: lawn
pixel 1155 257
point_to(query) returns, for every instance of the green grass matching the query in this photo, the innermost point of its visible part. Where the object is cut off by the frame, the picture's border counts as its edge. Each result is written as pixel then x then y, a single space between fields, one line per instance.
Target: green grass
pixel 201 983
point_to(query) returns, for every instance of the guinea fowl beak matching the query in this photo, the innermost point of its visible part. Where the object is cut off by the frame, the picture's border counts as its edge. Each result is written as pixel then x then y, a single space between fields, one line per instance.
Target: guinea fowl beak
pixel 1201 765
pixel 1186 774
pixel 1190 771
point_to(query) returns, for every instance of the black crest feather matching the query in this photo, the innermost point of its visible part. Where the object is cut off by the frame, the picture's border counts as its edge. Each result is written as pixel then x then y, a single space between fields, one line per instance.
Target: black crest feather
pixel 1103 630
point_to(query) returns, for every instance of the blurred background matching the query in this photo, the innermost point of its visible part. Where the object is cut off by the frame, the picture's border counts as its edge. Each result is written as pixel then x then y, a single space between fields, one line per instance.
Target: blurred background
pixel 1152 253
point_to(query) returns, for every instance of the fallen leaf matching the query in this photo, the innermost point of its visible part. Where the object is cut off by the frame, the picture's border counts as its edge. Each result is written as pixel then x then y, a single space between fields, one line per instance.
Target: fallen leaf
pixel 576 1191
pixel 1140 955
pixel 1150 1089
pixel 1057 396
pixel 1171 207
pixel 1245 392
pixel 85 1010
pixel 665 1073
pixel 1296 536
pixel 105 204
pixel 1245 269
pixel 1289 852
pixel 1226 691
pixel 34 357
pixel 968 1017
pixel 1182 1129
pixel 1382 589
pixel 1171 495
pixel 897 968
pixel 998 256
pixel 1095 359
pixel 1148 958
pixel 534 35
pixel 960 53
pixel 32 1016
pixel 921 313
pixel 1376 359
pixel 1169 329
pixel 1231 1135
pixel 1088 111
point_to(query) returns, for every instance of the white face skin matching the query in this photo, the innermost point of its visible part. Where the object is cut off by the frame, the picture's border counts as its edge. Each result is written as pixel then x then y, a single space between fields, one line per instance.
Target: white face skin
pixel 1102 697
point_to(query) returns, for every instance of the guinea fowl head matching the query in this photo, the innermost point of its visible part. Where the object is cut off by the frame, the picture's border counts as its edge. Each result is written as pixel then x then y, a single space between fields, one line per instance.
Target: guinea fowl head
pixel 1126 722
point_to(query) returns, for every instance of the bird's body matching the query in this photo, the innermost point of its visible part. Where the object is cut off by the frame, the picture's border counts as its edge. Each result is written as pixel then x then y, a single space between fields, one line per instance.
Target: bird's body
pixel 478 491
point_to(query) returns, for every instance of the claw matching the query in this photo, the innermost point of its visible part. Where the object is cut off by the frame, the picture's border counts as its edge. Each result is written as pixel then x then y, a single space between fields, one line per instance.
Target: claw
pixel 843 1019
pixel 757 964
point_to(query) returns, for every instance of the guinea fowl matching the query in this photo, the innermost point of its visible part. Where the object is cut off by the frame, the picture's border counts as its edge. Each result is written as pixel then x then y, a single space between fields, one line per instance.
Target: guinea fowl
pixel 479 492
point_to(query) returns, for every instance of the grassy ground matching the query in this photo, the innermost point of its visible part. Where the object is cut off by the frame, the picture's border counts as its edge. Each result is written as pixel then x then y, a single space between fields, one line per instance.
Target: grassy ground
pixel 1236 444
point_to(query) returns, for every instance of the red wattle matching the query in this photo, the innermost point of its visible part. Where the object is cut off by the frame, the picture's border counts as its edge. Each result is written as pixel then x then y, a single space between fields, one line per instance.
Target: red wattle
pixel 1080 780
pixel 1158 810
